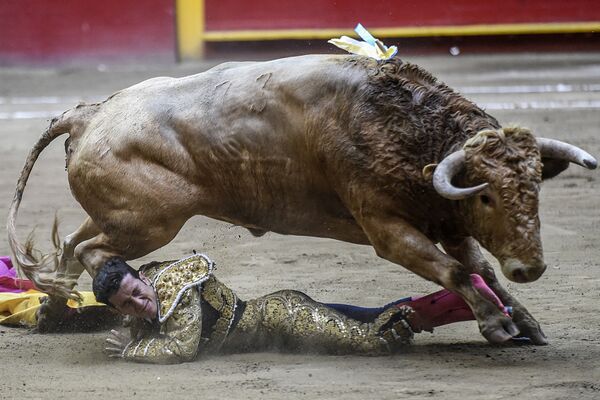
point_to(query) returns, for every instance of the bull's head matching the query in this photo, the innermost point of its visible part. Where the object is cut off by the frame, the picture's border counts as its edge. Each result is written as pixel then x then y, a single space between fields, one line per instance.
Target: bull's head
pixel 501 210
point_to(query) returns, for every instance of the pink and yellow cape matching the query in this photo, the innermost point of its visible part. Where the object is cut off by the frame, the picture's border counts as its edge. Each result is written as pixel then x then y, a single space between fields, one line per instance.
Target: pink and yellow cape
pixel 19 300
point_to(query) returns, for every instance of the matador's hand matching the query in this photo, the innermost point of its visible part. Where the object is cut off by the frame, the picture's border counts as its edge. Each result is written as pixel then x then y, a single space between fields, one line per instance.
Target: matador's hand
pixel 116 344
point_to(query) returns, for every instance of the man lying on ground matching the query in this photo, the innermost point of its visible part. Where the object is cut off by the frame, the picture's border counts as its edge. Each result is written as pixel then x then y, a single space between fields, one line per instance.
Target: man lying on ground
pixel 182 311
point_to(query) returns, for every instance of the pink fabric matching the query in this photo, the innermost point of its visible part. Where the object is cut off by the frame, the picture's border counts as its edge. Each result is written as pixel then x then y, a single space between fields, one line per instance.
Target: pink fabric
pixel 8 278
pixel 444 307
pixel 5 264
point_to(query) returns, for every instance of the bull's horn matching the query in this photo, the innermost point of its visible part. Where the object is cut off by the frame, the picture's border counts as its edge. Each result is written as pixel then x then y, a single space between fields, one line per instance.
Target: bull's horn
pixel 445 171
pixel 551 148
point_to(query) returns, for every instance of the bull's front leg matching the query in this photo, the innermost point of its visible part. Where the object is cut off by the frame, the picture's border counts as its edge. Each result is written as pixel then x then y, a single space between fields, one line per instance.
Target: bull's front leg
pixel 396 240
pixel 468 253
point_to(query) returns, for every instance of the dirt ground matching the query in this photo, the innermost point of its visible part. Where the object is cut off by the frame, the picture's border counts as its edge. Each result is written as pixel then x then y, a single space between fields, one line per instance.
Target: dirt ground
pixel 557 95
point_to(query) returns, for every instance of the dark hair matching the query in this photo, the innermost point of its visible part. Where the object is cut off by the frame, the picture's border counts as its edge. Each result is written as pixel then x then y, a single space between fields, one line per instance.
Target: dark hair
pixel 108 279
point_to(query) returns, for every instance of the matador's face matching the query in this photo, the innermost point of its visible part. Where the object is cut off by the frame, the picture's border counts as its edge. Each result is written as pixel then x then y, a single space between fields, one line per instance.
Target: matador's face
pixel 135 297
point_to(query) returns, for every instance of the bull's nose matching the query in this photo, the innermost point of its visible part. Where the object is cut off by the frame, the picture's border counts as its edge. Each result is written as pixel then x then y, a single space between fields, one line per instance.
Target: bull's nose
pixel 518 272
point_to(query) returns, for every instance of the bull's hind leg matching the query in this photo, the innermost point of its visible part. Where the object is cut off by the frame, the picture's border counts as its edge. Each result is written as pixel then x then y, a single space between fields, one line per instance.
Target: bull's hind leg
pixel 396 240
pixel 126 241
pixel 469 254
pixel 69 269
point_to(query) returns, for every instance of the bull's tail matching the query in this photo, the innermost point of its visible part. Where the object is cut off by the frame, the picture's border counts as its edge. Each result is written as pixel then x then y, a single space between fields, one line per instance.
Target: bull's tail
pixel 35 266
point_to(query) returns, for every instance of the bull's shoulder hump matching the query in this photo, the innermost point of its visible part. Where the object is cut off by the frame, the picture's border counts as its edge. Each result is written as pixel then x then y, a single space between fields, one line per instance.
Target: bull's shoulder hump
pixel 295 75
pixel 152 82
pixel 290 66
pixel 232 85
pixel 305 60
pixel 321 66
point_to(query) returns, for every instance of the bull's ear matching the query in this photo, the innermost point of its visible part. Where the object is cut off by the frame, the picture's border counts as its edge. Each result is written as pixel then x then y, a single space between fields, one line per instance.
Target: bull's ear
pixel 428 171
pixel 552 167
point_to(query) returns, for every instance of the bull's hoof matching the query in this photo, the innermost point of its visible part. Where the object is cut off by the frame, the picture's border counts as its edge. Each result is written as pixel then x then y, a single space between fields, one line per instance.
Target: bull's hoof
pixel 50 314
pixel 503 330
pixel 55 316
pixel 530 330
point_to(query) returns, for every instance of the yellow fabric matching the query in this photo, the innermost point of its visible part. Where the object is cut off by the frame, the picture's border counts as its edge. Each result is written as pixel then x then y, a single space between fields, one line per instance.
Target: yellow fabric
pixel 20 308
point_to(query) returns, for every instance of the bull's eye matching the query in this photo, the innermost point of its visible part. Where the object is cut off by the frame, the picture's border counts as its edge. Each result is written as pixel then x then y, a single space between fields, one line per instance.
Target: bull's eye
pixel 485 199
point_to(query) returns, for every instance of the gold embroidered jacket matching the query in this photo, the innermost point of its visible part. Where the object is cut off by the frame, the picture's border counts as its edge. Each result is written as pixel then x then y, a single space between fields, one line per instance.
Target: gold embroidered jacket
pixel 187 292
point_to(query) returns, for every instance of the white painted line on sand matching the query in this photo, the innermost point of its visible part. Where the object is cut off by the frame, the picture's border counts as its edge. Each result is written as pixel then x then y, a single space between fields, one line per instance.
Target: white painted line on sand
pixel 542 105
pixel 511 89
pixel 33 100
pixel 43 114
pixel 524 89
pixel 502 89
pixel 521 105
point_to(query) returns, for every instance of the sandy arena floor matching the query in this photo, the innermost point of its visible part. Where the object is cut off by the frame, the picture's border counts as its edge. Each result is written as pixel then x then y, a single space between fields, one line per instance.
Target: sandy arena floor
pixel 556 95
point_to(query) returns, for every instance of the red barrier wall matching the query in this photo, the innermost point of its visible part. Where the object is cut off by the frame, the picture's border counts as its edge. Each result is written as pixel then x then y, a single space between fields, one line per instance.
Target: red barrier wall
pixel 63 30
pixel 39 30
pixel 307 14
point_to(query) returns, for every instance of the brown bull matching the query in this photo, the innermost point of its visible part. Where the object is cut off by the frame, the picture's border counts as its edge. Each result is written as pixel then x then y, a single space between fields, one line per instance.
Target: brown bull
pixel 342 147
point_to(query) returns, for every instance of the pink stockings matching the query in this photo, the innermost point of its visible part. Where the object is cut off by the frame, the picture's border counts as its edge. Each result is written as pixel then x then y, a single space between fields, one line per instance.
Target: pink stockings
pixel 445 307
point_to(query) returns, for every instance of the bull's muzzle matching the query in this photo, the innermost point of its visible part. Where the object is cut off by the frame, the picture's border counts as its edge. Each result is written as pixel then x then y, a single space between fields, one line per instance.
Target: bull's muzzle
pixel 519 272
